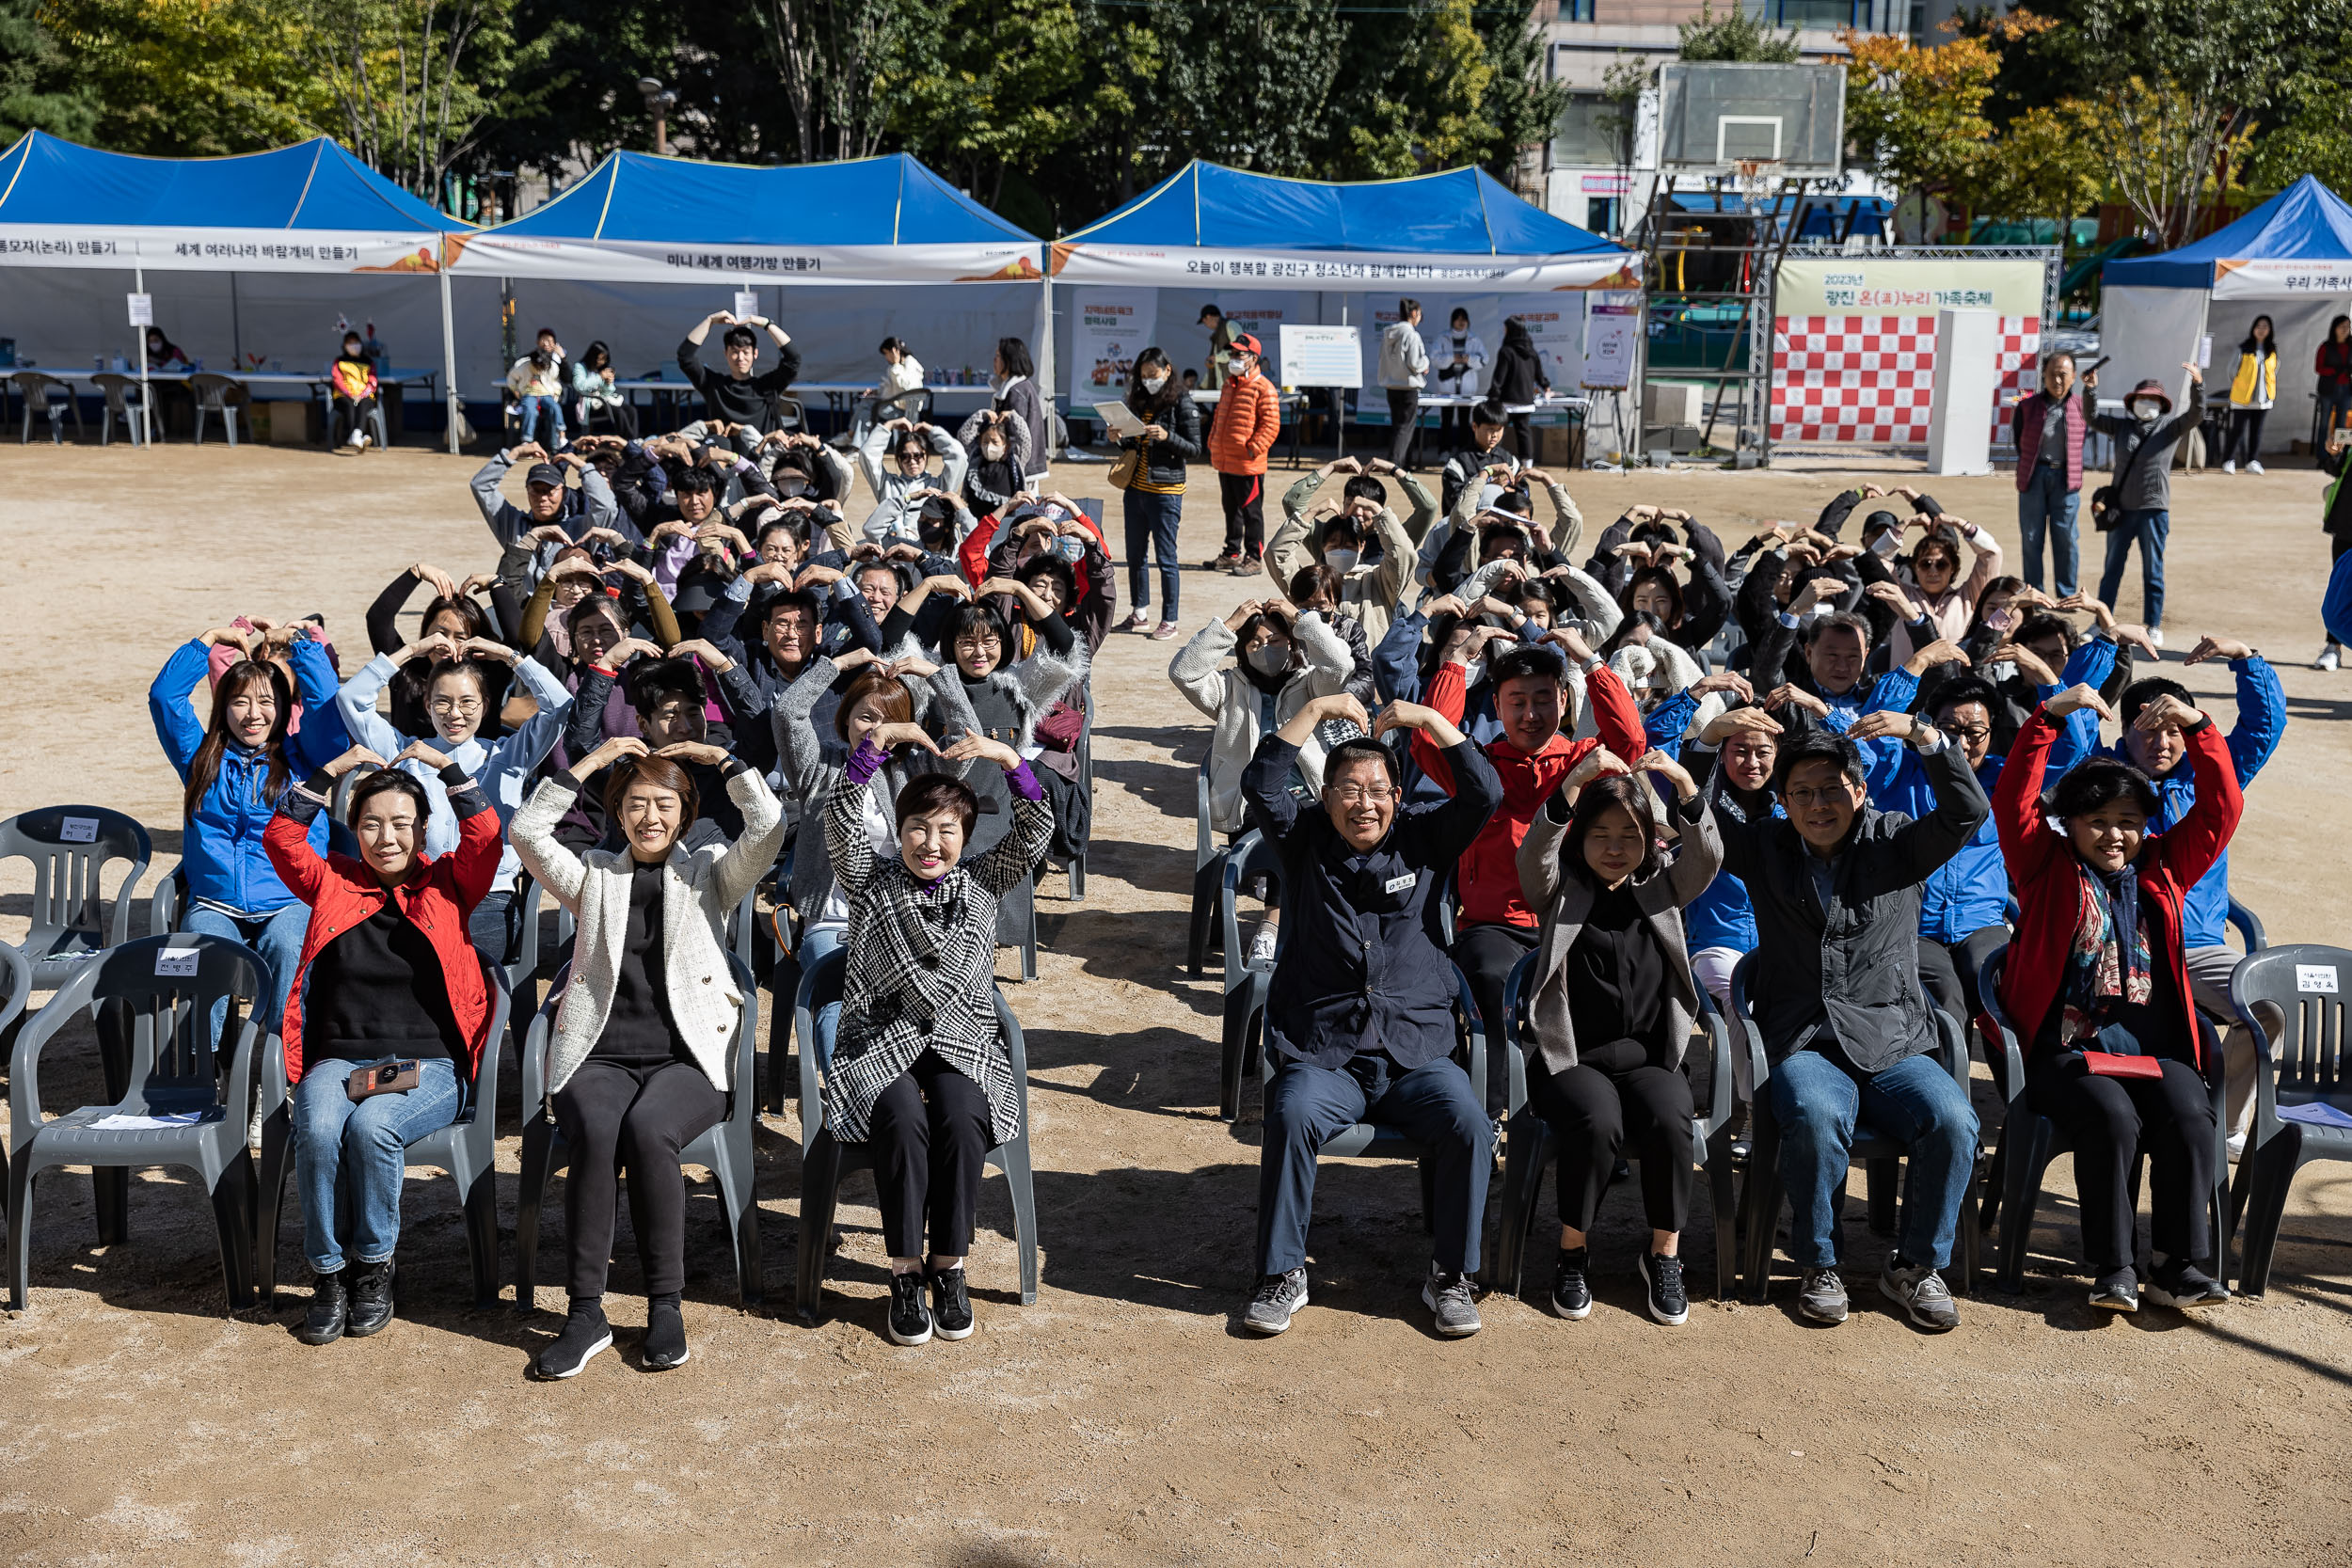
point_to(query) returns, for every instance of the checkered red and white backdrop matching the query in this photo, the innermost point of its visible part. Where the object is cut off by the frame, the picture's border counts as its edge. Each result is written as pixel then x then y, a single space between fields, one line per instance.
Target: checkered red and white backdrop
pixel 1870 380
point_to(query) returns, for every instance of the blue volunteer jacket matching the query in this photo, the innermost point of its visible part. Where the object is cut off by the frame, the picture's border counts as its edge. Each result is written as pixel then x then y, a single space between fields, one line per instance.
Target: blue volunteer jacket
pixel 220 850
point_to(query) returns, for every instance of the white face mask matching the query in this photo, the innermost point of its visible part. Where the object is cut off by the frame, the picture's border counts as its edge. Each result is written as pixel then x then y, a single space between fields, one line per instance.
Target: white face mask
pixel 1153 383
pixel 1342 562
pixel 1269 660
pixel 991 452
pixel 2145 411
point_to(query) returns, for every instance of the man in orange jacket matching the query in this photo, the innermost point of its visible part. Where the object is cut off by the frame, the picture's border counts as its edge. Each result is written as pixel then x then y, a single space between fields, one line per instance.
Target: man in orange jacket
pixel 1532 708
pixel 1249 417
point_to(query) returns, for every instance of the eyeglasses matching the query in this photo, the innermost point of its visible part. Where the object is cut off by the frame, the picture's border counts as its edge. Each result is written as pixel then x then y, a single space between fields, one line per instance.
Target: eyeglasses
pixel 456 705
pixel 1817 797
pixel 973 644
pixel 1349 795
pixel 1968 732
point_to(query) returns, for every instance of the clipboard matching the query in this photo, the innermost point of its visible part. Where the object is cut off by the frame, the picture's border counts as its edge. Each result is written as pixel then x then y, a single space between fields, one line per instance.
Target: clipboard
pixel 1119 417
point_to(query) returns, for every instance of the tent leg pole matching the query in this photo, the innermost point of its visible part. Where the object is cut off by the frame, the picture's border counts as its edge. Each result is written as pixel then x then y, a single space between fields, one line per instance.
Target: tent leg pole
pixel 1045 347
pixel 146 409
pixel 448 352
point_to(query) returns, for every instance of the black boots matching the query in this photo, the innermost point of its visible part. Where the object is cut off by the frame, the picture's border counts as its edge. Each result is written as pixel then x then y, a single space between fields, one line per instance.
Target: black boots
pixel 370 1298
pixel 322 1324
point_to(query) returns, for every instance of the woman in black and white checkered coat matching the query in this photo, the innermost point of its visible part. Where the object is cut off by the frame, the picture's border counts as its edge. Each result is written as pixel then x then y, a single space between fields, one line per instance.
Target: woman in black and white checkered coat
pixel 920 1070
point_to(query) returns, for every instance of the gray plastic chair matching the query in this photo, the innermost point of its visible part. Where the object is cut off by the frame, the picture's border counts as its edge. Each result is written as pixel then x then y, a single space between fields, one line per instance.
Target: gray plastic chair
pixel 173 1072
pixel 826 1160
pixel 224 396
pixel 19 978
pixel 55 401
pixel 2029 1141
pixel 1529 1146
pixel 2305 1078
pixel 725 1150
pixel 125 401
pixel 1760 1197
pixel 466 1149
pixel 70 847
pixel 1241 1017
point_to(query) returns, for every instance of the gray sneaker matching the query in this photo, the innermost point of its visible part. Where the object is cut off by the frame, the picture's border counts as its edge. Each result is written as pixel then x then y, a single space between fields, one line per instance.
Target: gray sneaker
pixel 1823 1296
pixel 1920 1291
pixel 1455 1300
pixel 1279 1296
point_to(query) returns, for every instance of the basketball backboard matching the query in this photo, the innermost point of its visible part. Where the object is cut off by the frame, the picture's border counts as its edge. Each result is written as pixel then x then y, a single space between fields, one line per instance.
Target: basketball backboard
pixel 1713 114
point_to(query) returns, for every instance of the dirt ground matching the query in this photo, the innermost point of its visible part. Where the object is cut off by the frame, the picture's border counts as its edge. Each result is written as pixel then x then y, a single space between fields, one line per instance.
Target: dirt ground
pixel 1122 1418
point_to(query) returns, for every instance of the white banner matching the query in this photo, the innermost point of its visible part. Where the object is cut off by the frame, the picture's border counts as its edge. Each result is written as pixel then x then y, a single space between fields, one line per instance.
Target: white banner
pixel 644 261
pixel 1177 265
pixel 1111 326
pixel 62 244
pixel 1321 356
pixel 1559 333
pixel 2279 279
pixel 1611 332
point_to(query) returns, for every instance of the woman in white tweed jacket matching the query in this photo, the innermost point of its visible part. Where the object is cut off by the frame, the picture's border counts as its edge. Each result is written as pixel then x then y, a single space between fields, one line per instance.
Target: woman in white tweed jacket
pixel 920 1070
pixel 640 1063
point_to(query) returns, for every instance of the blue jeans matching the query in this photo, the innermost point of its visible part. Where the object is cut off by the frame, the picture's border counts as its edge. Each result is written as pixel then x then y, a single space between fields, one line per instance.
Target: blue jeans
pixel 349 1158
pixel 2045 505
pixel 1152 521
pixel 1816 1103
pixel 820 942
pixel 1433 1104
pixel 491 928
pixel 2151 529
pixel 531 410
pixel 277 937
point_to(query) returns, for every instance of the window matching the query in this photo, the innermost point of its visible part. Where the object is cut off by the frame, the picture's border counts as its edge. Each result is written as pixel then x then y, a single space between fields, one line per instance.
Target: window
pixel 1576 10
pixel 1592 130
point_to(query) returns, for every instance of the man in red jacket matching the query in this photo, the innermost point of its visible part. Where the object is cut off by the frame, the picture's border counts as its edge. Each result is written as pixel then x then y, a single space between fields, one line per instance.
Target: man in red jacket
pixel 1531 706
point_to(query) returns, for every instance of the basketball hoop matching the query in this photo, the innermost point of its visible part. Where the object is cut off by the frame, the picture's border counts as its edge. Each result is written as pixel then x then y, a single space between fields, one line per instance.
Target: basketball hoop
pixel 1759 182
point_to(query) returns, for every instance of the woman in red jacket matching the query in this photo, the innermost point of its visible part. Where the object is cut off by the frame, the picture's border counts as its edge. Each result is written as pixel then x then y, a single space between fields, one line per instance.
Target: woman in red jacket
pixel 2097 983
pixel 387 975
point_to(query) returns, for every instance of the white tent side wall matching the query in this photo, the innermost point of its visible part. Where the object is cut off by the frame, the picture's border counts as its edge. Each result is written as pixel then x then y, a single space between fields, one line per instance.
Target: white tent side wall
pixel 2149 332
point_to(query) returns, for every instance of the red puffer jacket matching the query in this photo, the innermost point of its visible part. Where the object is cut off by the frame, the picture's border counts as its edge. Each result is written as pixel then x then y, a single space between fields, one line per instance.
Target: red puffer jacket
pixel 343 893
pixel 2041 866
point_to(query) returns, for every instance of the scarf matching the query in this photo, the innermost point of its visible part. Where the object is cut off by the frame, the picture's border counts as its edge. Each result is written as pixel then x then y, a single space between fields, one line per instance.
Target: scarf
pixel 2108 966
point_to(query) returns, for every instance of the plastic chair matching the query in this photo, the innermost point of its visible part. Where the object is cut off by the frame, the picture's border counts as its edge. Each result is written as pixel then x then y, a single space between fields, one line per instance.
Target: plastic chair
pixel 55 401
pixel 782 981
pixel 1529 1146
pixel 1208 873
pixel 70 847
pixel 725 1150
pixel 827 1160
pixel 190 1113
pixel 2302 1088
pixel 125 402
pixel 374 416
pixel 2029 1141
pixel 1244 1009
pixel 466 1149
pixel 224 396
pixel 1016 924
pixel 1878 1155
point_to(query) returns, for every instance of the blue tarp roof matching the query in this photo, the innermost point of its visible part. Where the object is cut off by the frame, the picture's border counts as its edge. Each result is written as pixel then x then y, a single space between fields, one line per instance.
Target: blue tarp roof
pixel 2306 222
pixel 314 184
pixel 889 200
pixel 1461 212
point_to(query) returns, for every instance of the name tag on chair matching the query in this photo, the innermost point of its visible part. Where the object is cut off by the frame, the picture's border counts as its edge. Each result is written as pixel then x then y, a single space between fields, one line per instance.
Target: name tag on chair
pixel 1401 883
pixel 177 963
pixel 77 829
pixel 2320 978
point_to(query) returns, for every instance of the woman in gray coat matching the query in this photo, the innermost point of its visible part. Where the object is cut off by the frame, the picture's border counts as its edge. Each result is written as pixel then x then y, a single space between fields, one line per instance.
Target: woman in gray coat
pixel 1611 1007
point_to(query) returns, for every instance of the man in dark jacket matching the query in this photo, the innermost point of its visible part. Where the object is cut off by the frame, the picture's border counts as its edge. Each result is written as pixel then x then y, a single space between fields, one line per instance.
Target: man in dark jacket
pixel 2047 429
pixel 1846 1029
pixel 737 395
pixel 1360 1008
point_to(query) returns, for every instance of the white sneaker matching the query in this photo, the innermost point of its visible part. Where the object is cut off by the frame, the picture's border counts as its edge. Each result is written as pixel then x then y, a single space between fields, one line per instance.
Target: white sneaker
pixel 2253 467
pixel 354 440
pixel 1261 946
pixel 2155 635
pixel 2330 657
pixel 365 441
pixel 2230 467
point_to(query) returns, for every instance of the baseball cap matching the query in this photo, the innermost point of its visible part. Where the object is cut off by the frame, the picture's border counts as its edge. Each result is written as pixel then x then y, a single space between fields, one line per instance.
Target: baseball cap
pixel 544 474
pixel 1246 343
pixel 1206 311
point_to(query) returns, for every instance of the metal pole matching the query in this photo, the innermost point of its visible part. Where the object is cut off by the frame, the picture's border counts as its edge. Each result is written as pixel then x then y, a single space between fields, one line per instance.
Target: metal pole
pixel 1044 355
pixel 448 352
pixel 147 416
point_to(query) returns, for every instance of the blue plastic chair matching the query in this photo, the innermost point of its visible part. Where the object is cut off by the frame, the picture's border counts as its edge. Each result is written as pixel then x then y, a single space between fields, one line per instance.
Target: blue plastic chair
pixel 1529 1146
pixel 1878 1155
pixel 826 1160
pixel 726 1150
pixel 466 1149
pixel 186 1110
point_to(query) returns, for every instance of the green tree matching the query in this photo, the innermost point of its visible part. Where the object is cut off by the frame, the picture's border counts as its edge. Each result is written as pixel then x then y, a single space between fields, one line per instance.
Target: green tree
pixel 411 81
pixel 41 89
pixel 190 78
pixel 1520 103
pixel 829 54
pixel 989 89
pixel 1914 116
pixel 1409 97
pixel 1735 36
pixel 2310 135
pixel 2046 164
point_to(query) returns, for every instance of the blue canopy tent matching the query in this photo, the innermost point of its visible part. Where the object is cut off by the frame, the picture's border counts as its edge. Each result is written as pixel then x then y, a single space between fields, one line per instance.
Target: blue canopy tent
pixel 2289 259
pixel 311 208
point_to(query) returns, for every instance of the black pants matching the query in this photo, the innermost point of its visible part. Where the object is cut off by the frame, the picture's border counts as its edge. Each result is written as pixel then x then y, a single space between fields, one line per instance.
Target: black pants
pixel 350 414
pixel 2245 429
pixel 2113 1121
pixel 1951 972
pixel 1244 495
pixel 1486 954
pixel 620 418
pixel 1453 424
pixel 1405 420
pixel 1596 1113
pixel 1523 438
pixel 638 1117
pixel 930 1133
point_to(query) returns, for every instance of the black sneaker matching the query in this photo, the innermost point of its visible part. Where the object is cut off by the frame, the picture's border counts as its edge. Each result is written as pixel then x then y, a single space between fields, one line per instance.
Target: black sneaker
pixel 586 1331
pixel 1279 1296
pixel 1668 1302
pixel 2116 1292
pixel 1571 1298
pixel 666 1335
pixel 910 1318
pixel 371 1299
pixel 2182 1285
pixel 322 1324
pixel 951 1304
